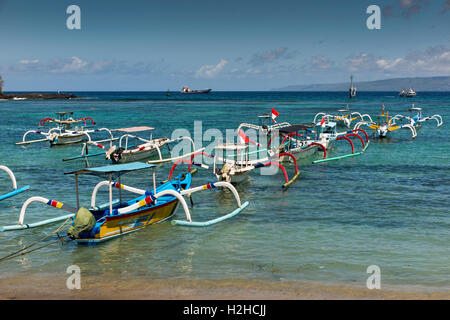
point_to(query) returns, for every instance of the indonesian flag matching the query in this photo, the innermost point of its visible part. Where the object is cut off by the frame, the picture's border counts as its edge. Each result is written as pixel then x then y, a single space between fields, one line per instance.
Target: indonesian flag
pixel 322 123
pixel 244 139
pixel 275 114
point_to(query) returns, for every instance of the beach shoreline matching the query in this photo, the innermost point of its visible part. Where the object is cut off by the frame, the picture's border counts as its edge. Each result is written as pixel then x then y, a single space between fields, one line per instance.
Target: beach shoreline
pixel 50 287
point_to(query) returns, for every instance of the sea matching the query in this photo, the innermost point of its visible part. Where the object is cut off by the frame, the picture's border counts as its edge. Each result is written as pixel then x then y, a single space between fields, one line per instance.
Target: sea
pixel 388 207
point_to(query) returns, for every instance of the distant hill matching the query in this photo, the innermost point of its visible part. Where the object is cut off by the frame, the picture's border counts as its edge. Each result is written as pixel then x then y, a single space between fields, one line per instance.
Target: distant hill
pixel 397 84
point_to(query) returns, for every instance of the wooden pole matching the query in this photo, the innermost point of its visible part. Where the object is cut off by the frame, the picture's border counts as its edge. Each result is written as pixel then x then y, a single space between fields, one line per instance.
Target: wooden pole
pixel 76 190
pixel 110 195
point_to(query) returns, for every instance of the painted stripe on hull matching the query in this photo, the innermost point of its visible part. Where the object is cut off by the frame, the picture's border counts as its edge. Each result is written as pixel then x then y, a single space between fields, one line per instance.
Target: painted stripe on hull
pixel 116 226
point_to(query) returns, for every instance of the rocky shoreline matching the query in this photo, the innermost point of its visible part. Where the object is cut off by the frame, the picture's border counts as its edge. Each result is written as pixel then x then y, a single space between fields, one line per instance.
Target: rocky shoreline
pixel 24 96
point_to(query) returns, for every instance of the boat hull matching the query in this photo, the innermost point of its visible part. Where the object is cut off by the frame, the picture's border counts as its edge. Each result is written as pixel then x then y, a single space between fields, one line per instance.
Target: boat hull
pixel 137 156
pixel 197 91
pixel 300 153
pixel 118 223
pixel 115 226
pixel 67 139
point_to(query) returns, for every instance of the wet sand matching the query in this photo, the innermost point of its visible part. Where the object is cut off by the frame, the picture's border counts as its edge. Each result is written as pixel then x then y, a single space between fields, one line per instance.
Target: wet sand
pixel 50 287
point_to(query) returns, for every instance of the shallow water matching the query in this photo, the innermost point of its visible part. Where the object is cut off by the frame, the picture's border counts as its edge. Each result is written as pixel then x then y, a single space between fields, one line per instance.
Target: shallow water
pixel 388 207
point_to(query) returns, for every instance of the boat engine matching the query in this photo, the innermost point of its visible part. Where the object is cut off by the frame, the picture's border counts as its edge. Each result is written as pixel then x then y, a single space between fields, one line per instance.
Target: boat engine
pixel 115 155
pixel 84 222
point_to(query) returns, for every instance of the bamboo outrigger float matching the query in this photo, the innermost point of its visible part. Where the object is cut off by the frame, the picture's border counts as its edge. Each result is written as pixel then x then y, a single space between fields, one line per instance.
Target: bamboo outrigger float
pixel 14 185
pixel 118 217
pixel 67 131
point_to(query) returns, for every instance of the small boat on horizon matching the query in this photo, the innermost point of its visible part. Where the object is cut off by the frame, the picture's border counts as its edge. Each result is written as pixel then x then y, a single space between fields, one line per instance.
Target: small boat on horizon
pixel 352 90
pixel 407 93
pixel 186 89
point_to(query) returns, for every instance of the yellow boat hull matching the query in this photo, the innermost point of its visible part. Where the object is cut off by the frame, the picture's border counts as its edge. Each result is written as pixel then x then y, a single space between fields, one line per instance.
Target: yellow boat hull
pixel 118 225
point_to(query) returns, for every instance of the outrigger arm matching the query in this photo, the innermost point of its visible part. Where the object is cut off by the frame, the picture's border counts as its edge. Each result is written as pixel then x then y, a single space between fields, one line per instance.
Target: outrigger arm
pixel 179 196
pixel 14 184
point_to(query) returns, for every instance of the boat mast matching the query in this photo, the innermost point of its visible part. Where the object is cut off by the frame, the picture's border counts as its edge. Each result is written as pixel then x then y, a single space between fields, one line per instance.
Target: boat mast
pixel 352 90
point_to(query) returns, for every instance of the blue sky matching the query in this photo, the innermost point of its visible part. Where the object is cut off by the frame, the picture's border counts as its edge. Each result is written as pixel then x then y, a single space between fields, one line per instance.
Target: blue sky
pixel 224 45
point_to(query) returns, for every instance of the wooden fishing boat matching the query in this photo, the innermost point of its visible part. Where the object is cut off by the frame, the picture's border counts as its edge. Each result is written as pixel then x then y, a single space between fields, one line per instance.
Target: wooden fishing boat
pixel 416 118
pixel 343 117
pixel 139 149
pixel 131 147
pixel 385 124
pixel 14 185
pixel 119 217
pixel 301 140
pixel 297 141
pixel 67 131
pixel 232 162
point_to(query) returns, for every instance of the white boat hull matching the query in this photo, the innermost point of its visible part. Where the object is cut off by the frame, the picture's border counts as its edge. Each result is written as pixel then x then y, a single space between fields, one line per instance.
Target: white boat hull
pixel 137 156
pixel 67 139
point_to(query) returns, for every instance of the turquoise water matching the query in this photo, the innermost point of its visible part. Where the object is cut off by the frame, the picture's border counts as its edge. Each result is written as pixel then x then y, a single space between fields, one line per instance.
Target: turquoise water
pixel 388 207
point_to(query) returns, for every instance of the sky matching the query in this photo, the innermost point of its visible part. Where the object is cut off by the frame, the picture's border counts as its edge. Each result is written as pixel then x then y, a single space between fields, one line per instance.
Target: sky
pixel 156 45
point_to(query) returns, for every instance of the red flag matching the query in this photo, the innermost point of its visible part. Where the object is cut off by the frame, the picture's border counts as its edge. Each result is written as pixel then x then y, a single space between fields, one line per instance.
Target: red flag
pixel 322 122
pixel 275 114
pixel 244 139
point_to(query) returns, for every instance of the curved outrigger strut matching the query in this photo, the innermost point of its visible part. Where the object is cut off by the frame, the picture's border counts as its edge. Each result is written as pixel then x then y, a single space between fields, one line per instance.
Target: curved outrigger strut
pixel 131 213
pixel 14 185
pixel 344 117
pixel 386 124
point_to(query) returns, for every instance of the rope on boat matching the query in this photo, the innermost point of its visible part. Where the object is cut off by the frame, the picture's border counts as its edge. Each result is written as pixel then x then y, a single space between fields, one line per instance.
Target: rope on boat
pixel 23 250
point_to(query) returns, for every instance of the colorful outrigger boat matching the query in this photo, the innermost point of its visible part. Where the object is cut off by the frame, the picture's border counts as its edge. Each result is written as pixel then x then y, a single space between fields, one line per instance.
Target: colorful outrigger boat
pixel 417 119
pixel 16 190
pixel 118 217
pixel 343 118
pixel 385 124
pixel 306 139
pixel 232 162
pixel 303 140
pixel 67 131
pixel 133 148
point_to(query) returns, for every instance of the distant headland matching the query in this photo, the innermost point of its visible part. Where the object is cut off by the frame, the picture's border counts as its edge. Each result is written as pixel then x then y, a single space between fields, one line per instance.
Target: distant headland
pixel 33 95
pixel 397 84
pixel 37 95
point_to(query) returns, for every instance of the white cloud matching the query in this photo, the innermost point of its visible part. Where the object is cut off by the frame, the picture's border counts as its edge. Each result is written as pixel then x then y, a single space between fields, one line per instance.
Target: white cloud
pixel 259 59
pixel 75 64
pixel 210 71
pixel 432 61
pixel 29 61
pixel 321 62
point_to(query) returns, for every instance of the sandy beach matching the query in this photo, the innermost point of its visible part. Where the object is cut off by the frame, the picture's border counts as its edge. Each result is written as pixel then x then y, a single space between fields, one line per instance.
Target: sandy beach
pixel 50 287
